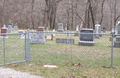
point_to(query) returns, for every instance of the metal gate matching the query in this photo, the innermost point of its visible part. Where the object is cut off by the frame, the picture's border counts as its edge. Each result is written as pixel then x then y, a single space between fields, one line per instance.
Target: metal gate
pixel 13 49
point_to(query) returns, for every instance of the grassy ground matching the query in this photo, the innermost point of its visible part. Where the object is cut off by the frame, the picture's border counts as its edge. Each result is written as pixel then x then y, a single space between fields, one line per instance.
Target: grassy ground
pixel 95 60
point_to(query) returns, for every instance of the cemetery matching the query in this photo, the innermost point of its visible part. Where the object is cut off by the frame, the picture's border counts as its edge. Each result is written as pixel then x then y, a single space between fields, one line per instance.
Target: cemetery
pixel 61 48
pixel 61 38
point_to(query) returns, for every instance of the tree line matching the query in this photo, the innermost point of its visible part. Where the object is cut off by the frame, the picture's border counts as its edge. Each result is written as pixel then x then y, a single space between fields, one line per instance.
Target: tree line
pixel 48 13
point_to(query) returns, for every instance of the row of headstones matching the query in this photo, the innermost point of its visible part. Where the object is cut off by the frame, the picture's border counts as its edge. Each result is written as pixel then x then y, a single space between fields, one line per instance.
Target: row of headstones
pixel 87 37
pixel 97 28
pixel 4 29
pixel 117 32
pixel 40 37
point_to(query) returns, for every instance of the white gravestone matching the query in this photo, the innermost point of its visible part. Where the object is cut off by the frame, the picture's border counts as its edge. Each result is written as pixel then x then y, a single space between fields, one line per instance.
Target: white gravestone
pixel 53 33
pixel 23 36
pixel 97 30
pixel 66 27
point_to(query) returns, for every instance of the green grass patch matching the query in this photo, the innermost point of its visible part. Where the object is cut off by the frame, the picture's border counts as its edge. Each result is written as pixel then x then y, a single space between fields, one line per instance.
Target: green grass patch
pixel 95 60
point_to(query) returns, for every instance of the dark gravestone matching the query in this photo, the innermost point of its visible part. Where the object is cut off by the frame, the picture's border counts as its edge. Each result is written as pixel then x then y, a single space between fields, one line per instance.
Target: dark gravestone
pixel 104 30
pixel 117 42
pixel 86 37
pixel 65 41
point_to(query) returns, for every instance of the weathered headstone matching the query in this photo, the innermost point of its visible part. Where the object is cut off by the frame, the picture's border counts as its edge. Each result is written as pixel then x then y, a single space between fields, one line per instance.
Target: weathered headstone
pixel 46 29
pixel 86 37
pixel 21 31
pixel 10 23
pixel 9 28
pixel 117 42
pixel 65 41
pixel 104 30
pixel 68 33
pixel 60 27
pixel 97 30
pixel 15 27
pixel 39 38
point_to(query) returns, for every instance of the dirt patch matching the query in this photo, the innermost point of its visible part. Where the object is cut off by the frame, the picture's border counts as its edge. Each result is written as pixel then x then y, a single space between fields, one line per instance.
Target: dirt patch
pixel 10 73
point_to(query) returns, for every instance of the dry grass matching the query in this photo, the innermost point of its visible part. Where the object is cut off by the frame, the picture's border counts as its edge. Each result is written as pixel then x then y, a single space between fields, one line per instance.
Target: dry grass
pixel 95 60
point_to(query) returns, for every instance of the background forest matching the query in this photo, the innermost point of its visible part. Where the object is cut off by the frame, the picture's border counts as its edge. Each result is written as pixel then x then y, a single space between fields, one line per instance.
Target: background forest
pixel 48 13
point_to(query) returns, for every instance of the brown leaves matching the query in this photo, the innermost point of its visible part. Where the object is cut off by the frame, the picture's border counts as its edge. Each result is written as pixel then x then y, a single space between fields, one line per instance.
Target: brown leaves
pixel 76 64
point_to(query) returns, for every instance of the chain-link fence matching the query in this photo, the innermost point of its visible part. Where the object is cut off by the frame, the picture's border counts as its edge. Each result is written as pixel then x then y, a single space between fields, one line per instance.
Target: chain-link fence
pixel 59 48
pixel 12 49
pixel 62 48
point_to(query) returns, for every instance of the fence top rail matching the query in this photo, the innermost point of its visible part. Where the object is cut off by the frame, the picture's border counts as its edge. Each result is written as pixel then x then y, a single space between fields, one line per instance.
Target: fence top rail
pixel 72 33
pixel 11 33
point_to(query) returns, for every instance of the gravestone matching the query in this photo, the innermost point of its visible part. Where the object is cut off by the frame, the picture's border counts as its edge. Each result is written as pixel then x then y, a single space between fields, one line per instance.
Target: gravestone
pixel 104 30
pixel 77 30
pixel 60 27
pixel 97 30
pixel 46 29
pixel 86 37
pixel 65 41
pixel 53 33
pixel 15 27
pixel 113 29
pixel 68 33
pixel 49 37
pixel 66 27
pixel 9 28
pixel 23 36
pixel 39 37
pixel 21 31
pixel 4 30
pixel 117 42
pixel 10 23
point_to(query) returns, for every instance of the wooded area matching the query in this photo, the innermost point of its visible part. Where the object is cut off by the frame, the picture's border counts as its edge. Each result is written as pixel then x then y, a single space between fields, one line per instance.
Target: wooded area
pixel 48 13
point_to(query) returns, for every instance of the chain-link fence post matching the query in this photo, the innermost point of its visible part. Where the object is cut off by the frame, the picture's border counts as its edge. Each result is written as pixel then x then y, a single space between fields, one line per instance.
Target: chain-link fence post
pixel 25 47
pixel 112 50
pixel 28 47
pixel 4 48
